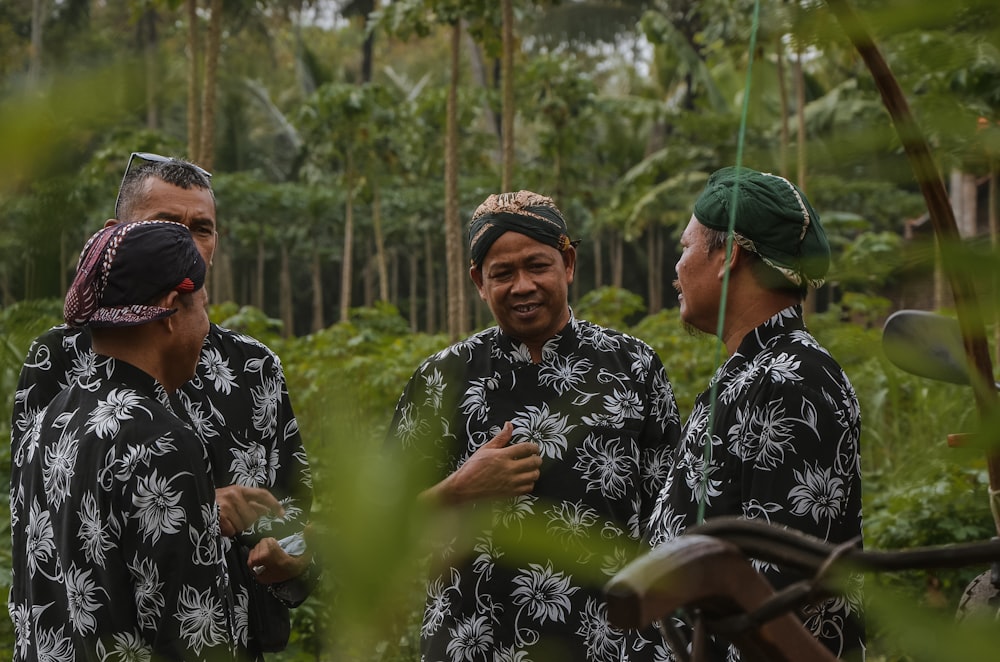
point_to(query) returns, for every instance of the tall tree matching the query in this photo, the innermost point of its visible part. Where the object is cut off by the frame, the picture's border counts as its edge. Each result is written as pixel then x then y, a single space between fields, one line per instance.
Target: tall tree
pixel 193 81
pixel 206 150
pixel 507 85
pixel 419 16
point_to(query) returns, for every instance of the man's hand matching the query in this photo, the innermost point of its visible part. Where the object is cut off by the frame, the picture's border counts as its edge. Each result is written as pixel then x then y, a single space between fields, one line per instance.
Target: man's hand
pixel 240 507
pixel 271 564
pixel 496 470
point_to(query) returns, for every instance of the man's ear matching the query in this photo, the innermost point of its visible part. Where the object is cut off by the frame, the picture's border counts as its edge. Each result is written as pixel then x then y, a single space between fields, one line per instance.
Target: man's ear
pixel 476 274
pixel 736 259
pixel 569 259
pixel 170 301
pixel 110 222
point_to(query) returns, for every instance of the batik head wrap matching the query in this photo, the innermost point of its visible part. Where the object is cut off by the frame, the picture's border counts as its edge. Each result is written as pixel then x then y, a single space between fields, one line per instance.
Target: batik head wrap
pixel 773 219
pixel 529 213
pixel 126 266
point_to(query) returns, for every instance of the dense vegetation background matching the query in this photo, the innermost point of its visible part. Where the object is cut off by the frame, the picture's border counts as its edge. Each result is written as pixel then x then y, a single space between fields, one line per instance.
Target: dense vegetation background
pixel 350 142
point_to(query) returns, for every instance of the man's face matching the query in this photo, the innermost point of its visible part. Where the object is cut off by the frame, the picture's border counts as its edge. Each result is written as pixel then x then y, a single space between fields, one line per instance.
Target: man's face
pixel 191 327
pixel 526 285
pixel 192 207
pixel 699 279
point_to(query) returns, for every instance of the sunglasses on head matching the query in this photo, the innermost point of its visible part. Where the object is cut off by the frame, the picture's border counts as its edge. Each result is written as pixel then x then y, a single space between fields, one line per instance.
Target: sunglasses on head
pixel 149 157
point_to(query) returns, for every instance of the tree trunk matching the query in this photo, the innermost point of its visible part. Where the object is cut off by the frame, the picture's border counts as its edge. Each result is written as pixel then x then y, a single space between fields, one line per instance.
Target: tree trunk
pixel 393 266
pixel 317 290
pixel 809 305
pixel 7 295
pixel 286 303
pixel 800 102
pixel 29 278
pixel 963 202
pixel 368 47
pixel 347 266
pixel 63 261
pixel 368 277
pixel 479 73
pixel 783 96
pixel 222 276
pixel 414 274
pixel 258 290
pixel 992 213
pixel 598 261
pixel 207 152
pixel 193 87
pixel 431 291
pixel 148 39
pixel 38 14
pixel 617 259
pixel 655 270
pixel 507 87
pixel 383 269
pixel 455 290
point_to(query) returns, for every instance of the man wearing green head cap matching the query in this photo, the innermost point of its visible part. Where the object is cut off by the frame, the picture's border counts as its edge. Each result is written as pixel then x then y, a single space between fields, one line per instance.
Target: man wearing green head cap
pixel 785 419
pixel 546 437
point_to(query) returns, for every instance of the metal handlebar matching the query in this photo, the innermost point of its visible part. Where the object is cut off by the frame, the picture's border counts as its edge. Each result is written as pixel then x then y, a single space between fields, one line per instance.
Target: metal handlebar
pixel 708 570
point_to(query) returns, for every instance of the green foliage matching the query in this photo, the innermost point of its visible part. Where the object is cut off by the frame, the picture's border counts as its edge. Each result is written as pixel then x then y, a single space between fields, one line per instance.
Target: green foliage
pixel 609 306
pixel 354 370
pixel 690 357
pixel 925 633
pixel 248 320
pixel 621 147
pixel 344 382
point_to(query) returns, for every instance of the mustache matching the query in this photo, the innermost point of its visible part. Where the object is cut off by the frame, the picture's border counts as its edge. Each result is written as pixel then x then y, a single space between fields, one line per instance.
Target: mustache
pixel 691 330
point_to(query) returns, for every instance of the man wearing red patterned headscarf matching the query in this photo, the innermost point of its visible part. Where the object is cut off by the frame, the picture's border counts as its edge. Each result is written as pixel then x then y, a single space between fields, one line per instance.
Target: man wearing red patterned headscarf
pixel 115 535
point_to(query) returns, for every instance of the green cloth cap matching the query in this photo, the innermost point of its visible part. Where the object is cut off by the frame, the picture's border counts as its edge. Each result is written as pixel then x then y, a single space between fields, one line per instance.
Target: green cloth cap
pixel 529 213
pixel 773 219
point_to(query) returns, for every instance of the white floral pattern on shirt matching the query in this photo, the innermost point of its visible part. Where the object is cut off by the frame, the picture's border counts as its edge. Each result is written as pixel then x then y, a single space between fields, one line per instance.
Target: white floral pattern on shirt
pixel 784 449
pixel 601 408
pixel 105 560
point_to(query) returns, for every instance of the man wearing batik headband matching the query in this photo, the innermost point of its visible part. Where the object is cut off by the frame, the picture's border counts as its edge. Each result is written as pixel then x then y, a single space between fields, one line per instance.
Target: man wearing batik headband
pixel 114 525
pixel 238 403
pixel 552 434
pixel 785 419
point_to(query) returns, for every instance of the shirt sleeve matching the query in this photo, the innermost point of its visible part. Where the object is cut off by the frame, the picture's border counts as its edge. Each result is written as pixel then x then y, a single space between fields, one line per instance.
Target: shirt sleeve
pixel 420 433
pixel 293 485
pixel 659 437
pixel 800 470
pixel 44 373
pixel 181 599
pixel 293 478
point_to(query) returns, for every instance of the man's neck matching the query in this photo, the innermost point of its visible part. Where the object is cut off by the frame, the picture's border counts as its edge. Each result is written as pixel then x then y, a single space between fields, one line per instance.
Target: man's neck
pixel 133 345
pixel 748 315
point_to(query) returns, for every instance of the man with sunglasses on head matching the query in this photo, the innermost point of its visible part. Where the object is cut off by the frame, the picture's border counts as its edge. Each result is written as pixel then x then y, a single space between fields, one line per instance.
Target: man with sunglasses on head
pixel 237 403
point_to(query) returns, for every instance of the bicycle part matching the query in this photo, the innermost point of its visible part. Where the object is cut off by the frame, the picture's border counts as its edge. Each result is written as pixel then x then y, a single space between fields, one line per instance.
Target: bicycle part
pixel 806 554
pixel 714 577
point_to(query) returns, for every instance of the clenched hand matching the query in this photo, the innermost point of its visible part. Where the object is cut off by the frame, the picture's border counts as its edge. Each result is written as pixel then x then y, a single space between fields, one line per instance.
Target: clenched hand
pixel 497 470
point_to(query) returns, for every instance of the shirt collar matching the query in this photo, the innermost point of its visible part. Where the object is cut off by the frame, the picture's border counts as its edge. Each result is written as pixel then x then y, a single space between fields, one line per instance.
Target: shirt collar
pixel 781 323
pixel 518 351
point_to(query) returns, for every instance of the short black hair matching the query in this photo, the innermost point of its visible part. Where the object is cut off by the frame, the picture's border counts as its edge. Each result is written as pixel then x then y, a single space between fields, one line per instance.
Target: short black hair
pixel 175 172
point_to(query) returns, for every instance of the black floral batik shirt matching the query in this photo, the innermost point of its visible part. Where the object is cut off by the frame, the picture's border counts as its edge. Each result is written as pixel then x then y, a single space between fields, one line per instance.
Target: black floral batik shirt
pixel 526 583
pixel 115 530
pixel 784 449
pixel 238 405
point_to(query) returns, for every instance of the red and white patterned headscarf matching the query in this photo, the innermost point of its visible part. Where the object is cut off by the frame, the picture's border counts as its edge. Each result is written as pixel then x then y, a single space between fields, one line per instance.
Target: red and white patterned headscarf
pixel 125 268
